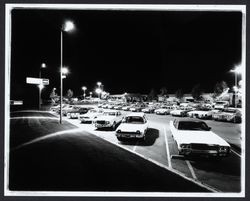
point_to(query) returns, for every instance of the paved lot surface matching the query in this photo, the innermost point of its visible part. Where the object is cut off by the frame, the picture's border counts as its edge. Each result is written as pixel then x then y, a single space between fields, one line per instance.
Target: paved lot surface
pixel 45 155
pixel 222 174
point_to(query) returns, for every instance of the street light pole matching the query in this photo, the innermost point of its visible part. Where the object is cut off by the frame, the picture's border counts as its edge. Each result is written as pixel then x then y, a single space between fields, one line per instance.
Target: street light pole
pixel 61 80
pixel 40 87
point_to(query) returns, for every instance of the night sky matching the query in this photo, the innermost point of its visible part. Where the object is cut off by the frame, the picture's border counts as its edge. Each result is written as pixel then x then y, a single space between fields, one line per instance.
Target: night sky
pixel 128 51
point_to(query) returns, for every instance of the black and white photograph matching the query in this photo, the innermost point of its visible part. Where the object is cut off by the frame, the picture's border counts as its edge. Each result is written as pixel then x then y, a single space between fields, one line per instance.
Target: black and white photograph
pixel 125 100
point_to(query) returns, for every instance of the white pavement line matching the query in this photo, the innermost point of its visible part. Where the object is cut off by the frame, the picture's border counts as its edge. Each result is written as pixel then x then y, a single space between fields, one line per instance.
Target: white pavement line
pixel 30 111
pixel 236 153
pixel 35 117
pixel 47 136
pixel 167 147
pixel 191 169
pixel 212 189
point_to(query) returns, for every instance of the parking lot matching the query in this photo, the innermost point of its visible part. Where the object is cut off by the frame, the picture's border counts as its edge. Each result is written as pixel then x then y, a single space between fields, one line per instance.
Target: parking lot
pixel 223 175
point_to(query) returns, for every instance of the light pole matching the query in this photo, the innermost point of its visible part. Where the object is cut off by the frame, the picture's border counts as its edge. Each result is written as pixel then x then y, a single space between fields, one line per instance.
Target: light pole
pixel 84 89
pixel 236 71
pixel 99 90
pixel 66 27
pixel 43 65
pixel 90 94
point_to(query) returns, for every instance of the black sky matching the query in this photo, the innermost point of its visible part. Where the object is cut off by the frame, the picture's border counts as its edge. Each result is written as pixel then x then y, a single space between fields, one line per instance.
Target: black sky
pixel 128 51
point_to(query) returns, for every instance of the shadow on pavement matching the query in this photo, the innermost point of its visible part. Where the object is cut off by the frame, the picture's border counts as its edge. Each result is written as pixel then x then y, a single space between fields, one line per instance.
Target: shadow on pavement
pixel 151 136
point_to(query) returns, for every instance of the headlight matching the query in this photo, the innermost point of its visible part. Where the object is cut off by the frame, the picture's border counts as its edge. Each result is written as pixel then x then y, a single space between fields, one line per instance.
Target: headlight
pixel 107 122
pixel 118 131
pixel 223 149
pixel 185 146
pixel 138 132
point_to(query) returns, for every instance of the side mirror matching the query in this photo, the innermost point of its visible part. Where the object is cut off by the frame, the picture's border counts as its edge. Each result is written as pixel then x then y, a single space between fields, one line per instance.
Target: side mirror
pixel 209 128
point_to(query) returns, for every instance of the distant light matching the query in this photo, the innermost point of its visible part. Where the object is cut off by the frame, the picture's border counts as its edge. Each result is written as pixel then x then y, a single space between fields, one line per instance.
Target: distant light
pixel 84 88
pixel 237 69
pixel 98 91
pixel 235 88
pixel 68 26
pixel 65 70
pixel 43 65
pixel 99 84
pixel 40 86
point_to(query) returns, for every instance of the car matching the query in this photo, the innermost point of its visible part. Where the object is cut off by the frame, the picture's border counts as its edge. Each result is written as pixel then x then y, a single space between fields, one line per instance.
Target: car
pixel 200 114
pixel 90 116
pixel 228 114
pixel 221 104
pixel 109 119
pixel 127 107
pixel 133 126
pixel 181 112
pixel 164 110
pixel 194 137
pixel 76 112
pixel 68 108
pixel 149 109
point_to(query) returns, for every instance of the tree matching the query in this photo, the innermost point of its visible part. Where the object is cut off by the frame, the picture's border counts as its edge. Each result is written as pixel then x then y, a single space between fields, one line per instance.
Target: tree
pixel 69 94
pixel 163 91
pixel 179 94
pixel 152 94
pixel 197 92
pixel 219 88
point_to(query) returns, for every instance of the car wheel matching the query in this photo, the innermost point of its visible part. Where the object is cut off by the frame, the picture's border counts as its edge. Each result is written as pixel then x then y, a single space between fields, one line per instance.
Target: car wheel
pixel 114 125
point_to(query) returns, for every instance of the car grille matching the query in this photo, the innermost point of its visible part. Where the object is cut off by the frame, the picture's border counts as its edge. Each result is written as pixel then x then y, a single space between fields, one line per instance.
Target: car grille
pixel 101 122
pixel 204 147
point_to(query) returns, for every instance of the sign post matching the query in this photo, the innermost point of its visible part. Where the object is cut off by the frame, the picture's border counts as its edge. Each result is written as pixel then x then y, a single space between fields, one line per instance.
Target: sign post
pixel 40 82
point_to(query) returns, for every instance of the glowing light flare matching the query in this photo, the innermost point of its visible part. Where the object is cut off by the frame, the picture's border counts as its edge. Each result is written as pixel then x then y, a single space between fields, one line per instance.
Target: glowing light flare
pixel 68 26
pixel 98 91
pixel 65 70
pixel 84 88
pixel 43 65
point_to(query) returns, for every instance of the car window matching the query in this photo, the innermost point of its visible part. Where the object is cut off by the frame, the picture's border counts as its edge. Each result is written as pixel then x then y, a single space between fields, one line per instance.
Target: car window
pixel 192 125
pixel 134 120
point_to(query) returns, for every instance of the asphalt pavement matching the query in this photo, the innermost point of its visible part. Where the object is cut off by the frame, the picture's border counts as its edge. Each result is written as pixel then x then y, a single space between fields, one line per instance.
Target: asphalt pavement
pixel 47 156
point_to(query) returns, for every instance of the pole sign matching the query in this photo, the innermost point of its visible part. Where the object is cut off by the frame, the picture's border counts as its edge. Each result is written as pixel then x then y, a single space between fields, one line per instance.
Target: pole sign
pixel 33 80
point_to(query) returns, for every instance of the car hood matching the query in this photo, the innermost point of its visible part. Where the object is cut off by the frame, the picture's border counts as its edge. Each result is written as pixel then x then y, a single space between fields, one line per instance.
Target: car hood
pixel 89 115
pixel 105 118
pixel 201 137
pixel 127 127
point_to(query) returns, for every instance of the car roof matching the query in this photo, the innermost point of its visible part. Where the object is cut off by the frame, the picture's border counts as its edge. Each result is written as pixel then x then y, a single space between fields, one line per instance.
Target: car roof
pixel 137 114
pixel 188 120
pixel 110 111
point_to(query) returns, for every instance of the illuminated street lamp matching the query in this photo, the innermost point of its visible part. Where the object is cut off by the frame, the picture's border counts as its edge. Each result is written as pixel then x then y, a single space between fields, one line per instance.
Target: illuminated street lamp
pixel 43 65
pixel 98 91
pixel 84 89
pixel 66 27
pixel 236 71
pixel 90 94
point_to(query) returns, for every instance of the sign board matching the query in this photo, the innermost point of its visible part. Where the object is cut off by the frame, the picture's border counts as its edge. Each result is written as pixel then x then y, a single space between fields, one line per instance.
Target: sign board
pixel 33 80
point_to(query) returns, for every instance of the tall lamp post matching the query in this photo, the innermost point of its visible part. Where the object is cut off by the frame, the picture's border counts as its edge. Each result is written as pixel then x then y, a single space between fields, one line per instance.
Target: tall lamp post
pixel 99 90
pixel 66 27
pixel 84 89
pixel 43 65
pixel 236 71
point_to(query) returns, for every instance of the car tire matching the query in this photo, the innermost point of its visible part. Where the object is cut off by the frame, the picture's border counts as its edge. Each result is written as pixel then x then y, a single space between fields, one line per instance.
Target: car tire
pixel 114 125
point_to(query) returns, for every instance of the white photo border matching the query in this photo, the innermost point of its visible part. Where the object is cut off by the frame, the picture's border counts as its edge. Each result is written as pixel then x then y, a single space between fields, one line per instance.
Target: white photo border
pixel 121 7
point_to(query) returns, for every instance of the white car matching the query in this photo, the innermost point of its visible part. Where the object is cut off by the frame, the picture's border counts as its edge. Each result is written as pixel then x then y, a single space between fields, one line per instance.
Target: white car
pixel 221 104
pixel 109 119
pixel 180 112
pixel 90 116
pixel 195 137
pixel 134 126
pixel 200 114
pixel 164 110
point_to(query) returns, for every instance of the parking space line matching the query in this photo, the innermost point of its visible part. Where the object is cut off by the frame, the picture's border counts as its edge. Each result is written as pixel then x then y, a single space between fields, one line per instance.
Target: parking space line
pixel 134 148
pixel 236 153
pixel 167 147
pixel 191 169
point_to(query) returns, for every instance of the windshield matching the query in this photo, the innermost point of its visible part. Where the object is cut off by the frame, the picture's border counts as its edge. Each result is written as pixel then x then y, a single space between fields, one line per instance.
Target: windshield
pixel 229 110
pixel 134 120
pixel 191 125
pixel 109 113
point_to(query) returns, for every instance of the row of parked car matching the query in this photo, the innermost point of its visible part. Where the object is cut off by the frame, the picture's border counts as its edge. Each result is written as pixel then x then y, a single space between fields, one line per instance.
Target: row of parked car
pixel 218 111
pixel 191 136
